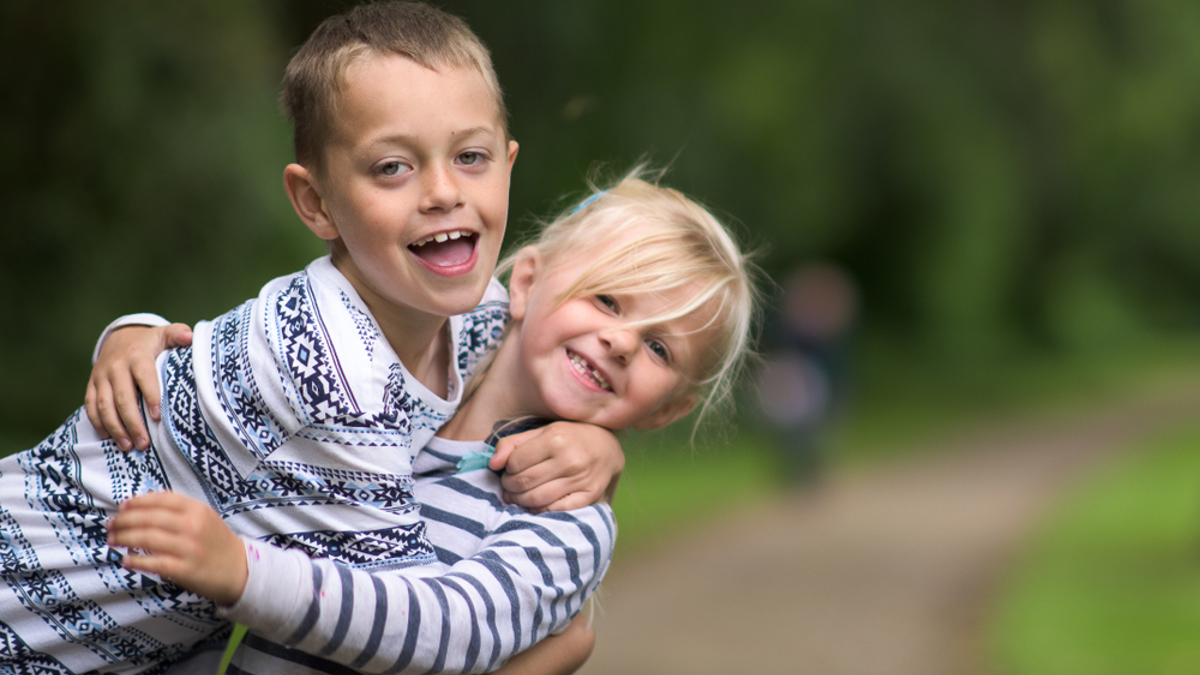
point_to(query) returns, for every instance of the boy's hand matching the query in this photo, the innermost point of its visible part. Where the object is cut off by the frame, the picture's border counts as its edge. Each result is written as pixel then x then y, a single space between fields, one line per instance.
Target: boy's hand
pixel 182 540
pixel 124 366
pixel 560 654
pixel 559 467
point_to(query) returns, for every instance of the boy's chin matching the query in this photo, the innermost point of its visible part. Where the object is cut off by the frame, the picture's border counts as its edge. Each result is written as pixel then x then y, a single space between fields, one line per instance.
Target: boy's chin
pixel 453 304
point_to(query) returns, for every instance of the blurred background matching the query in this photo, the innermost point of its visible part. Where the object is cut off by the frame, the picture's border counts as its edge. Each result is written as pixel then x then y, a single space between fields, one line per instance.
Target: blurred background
pixel 1003 181
pixel 1003 195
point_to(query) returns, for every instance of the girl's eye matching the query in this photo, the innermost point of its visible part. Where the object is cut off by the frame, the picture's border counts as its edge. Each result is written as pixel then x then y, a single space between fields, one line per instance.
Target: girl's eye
pixel 471 158
pixel 607 301
pixel 658 349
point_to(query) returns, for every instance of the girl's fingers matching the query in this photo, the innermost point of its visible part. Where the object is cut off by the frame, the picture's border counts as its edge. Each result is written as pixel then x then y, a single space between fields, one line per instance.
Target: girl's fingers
pixel 163 566
pixel 171 501
pixel 153 541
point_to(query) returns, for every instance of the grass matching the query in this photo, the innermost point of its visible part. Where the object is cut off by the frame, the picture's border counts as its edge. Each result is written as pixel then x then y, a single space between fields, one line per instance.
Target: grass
pixel 670 488
pixel 1112 583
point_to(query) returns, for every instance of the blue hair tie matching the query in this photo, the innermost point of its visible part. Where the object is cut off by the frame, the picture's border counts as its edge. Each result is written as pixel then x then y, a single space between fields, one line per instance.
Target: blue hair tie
pixel 589 200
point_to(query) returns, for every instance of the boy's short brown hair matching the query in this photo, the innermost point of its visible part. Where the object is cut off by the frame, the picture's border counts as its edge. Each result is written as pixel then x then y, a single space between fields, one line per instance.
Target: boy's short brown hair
pixel 315 75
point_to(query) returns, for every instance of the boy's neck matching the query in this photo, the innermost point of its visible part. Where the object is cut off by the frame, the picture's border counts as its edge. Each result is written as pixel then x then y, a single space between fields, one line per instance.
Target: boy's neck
pixel 424 351
pixel 493 400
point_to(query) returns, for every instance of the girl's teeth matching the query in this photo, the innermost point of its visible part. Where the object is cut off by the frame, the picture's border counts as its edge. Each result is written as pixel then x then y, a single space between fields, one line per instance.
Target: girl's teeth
pixel 594 375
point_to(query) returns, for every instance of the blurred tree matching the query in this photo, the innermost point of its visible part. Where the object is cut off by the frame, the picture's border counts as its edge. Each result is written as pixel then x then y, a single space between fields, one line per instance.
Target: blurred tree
pixel 999 176
pixel 141 154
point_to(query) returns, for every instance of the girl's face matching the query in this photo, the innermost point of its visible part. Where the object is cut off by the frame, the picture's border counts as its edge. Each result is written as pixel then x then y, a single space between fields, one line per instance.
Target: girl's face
pixel 581 360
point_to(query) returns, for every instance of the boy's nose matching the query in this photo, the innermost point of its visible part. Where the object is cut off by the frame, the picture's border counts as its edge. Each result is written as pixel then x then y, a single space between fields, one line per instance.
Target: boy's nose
pixel 441 189
pixel 620 342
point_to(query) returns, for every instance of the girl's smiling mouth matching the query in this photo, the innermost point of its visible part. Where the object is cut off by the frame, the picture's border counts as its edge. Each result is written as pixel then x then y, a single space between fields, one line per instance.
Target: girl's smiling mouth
pixel 585 369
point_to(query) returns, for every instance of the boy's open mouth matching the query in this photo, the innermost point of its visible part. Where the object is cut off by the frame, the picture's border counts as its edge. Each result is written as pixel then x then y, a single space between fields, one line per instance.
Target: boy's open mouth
pixel 584 368
pixel 445 249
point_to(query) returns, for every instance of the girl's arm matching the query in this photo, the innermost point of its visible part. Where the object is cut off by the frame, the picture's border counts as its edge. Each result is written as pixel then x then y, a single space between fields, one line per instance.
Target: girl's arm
pixel 527 581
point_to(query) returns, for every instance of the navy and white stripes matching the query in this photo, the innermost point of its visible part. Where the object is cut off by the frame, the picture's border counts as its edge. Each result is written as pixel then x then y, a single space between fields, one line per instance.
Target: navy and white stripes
pixel 506 579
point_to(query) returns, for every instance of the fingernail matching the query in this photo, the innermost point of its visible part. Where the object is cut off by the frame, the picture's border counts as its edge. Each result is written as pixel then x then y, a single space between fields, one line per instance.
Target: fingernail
pixel 155 411
pixel 143 442
pixel 125 444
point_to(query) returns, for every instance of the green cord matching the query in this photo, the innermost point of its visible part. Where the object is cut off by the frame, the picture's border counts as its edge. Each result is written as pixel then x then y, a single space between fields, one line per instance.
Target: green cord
pixel 235 639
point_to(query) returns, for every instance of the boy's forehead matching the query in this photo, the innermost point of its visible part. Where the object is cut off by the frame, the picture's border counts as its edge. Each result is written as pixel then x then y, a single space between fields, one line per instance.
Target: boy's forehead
pixel 409 92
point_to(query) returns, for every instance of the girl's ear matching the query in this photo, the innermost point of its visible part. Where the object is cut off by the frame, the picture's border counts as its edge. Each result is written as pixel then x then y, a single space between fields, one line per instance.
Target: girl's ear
pixel 667 413
pixel 305 195
pixel 524 273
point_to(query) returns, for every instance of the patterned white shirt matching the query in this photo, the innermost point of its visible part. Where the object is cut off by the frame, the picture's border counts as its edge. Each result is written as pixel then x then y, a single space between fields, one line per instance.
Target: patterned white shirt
pixel 290 415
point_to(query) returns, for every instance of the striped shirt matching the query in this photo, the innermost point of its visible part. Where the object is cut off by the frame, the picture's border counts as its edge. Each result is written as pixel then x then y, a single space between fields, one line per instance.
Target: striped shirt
pixel 505 579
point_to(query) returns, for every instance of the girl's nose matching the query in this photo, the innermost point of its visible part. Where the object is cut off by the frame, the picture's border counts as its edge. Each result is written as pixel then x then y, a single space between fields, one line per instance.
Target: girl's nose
pixel 441 191
pixel 620 342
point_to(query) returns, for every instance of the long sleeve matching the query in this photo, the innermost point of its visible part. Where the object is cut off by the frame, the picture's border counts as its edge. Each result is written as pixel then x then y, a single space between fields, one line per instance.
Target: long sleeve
pixel 528 577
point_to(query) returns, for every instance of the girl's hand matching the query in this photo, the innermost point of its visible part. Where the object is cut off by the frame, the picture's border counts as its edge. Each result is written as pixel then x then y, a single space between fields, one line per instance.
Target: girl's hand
pixel 182 540
pixel 124 366
pixel 559 467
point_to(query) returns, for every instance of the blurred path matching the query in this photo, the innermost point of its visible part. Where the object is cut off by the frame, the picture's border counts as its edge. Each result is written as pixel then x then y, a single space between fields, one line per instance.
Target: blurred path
pixel 886 572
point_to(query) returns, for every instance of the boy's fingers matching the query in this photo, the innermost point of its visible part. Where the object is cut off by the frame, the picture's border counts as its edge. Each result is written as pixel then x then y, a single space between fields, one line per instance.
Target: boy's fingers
pixel 518 452
pixel 544 495
pixel 575 500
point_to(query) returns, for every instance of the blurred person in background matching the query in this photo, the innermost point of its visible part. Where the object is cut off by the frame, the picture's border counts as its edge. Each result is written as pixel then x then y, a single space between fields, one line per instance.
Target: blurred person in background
pixel 804 380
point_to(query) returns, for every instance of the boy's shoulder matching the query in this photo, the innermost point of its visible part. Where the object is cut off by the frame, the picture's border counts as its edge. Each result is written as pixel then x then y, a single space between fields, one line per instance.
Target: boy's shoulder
pixel 480 330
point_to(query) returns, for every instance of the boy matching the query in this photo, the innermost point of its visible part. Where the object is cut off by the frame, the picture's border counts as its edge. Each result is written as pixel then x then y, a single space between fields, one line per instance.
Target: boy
pixel 296 416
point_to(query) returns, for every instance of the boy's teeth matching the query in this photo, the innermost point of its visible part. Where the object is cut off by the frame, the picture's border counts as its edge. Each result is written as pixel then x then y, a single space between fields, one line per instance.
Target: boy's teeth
pixel 441 237
pixel 584 369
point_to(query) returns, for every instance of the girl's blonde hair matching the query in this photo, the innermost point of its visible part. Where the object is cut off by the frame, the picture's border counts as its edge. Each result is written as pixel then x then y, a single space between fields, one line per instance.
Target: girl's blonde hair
pixel 672 242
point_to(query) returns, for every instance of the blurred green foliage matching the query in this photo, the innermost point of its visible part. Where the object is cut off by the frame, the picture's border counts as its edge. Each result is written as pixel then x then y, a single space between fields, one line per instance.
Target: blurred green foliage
pixel 1003 178
pixel 1110 586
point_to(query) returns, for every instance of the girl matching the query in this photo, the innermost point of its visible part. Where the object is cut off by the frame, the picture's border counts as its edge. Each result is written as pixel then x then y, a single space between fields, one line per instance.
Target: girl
pixel 628 312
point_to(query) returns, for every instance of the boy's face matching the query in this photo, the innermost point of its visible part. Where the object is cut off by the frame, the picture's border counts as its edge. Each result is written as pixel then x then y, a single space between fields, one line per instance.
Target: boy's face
pixel 415 187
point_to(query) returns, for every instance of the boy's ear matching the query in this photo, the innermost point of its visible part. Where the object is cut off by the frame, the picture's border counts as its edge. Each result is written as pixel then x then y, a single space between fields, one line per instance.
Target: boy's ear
pixel 669 412
pixel 512 154
pixel 520 282
pixel 305 195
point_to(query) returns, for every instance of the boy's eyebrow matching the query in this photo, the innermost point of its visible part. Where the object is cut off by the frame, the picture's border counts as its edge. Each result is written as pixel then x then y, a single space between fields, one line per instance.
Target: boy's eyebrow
pixel 411 139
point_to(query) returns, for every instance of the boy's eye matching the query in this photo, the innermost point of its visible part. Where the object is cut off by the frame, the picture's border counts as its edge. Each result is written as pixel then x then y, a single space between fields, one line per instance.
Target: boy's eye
pixel 391 168
pixel 470 157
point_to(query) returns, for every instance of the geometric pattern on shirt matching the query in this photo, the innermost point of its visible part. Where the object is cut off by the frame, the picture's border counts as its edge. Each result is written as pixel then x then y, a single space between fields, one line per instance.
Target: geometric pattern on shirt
pixel 271 484
pixel 54 487
pixel 482 331
pixel 315 384
pixel 374 550
pixel 19 659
